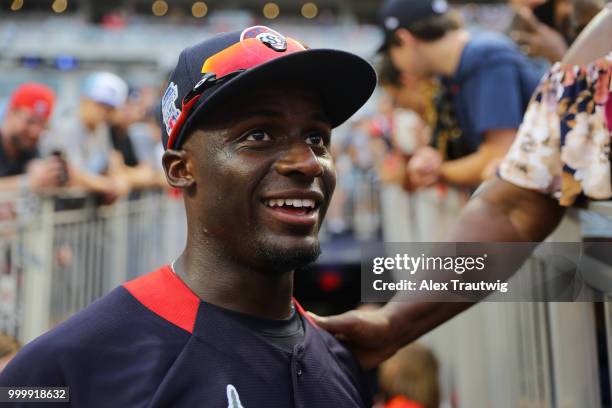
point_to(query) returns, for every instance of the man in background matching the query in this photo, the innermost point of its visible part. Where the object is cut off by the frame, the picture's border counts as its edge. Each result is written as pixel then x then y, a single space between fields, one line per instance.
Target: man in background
pixel 27 114
pixel 488 83
pixel 85 138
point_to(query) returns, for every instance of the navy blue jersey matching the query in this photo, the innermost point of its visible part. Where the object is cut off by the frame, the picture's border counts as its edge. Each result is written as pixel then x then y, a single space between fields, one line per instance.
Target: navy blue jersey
pixel 153 343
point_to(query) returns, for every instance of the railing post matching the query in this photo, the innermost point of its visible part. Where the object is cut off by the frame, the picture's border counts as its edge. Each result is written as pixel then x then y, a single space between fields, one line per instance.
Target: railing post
pixel 572 339
pixel 38 265
pixel 608 319
pixel 574 350
pixel 118 218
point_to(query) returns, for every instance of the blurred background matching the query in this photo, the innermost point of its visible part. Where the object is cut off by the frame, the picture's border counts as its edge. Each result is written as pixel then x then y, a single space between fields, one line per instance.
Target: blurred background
pixel 62 248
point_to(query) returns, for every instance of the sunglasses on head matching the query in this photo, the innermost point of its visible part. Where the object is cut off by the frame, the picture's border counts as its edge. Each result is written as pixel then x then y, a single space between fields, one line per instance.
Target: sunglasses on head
pixel 226 65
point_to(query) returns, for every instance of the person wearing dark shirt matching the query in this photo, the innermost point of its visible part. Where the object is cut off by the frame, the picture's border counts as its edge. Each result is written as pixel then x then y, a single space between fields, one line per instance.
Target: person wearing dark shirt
pixel 487 80
pixel 21 129
pixel 246 124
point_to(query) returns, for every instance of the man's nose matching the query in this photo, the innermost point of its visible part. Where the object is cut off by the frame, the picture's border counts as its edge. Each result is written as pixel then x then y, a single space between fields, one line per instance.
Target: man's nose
pixel 299 160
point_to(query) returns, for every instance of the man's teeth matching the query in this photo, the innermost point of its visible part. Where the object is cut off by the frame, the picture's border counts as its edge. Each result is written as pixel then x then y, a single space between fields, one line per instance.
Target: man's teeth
pixel 291 202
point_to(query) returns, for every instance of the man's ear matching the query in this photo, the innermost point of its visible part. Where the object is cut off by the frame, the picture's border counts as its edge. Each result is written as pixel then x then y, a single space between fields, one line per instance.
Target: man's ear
pixel 404 36
pixel 178 168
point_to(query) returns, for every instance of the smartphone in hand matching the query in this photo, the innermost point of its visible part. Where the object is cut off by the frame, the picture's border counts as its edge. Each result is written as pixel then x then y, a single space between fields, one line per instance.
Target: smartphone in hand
pixel 63 178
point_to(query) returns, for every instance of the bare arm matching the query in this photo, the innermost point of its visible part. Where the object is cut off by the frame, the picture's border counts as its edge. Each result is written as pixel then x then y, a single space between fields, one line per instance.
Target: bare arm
pixel 502 212
pixel 467 171
pixel 89 181
pixel 11 183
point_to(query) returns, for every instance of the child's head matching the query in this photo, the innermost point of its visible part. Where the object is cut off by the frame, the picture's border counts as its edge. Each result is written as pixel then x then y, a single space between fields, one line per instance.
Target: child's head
pixel 413 374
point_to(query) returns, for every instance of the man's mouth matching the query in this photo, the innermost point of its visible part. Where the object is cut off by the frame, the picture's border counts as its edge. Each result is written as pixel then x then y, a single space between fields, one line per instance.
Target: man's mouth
pixel 294 210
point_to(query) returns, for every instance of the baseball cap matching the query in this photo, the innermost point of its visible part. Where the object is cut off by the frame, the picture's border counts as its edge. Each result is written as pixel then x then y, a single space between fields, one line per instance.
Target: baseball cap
pixel 396 14
pixel 106 88
pixel 218 70
pixel 36 98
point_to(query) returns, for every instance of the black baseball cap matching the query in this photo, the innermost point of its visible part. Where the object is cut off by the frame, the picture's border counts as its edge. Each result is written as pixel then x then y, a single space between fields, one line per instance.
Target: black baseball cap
pixel 220 70
pixel 396 14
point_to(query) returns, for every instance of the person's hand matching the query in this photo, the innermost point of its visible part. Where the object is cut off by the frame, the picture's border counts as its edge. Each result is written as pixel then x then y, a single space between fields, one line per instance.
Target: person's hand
pixel 369 334
pixel 122 186
pixel 536 39
pixel 44 174
pixel 424 167
pixel 115 189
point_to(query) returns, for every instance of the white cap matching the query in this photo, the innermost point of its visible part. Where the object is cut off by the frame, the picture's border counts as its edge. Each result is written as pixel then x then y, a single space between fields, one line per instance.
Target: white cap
pixel 106 88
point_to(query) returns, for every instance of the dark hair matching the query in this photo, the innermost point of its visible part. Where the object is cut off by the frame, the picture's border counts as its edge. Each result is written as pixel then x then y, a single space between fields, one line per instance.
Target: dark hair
pixel 433 28
pixel 388 74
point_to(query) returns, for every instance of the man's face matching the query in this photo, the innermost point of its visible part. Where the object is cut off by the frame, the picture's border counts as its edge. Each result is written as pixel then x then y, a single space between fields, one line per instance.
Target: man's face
pixel 264 177
pixel 24 128
pixel 406 56
pixel 96 113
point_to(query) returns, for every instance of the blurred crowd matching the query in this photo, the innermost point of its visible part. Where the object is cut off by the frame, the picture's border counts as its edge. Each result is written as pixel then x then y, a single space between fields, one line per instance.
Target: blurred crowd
pixel 428 128
pixel 109 147
pixel 452 102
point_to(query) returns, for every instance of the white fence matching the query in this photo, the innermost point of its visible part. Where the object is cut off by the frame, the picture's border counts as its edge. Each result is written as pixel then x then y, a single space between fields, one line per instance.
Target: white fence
pixel 59 255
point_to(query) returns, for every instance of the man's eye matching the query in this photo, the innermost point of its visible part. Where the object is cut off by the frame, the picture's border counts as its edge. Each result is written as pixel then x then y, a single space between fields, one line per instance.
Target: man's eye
pixel 258 136
pixel 315 139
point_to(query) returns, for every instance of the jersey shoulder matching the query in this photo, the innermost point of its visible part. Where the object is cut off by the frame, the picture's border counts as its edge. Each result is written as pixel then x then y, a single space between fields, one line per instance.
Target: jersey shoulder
pixel 114 330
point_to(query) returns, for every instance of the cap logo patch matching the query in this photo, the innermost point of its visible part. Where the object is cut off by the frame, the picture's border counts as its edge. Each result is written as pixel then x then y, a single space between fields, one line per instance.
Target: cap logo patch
pixel 391 23
pixel 273 41
pixel 439 6
pixel 170 112
pixel 266 35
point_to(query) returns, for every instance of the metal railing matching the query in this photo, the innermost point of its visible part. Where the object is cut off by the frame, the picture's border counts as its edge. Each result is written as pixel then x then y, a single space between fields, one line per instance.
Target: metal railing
pixel 59 255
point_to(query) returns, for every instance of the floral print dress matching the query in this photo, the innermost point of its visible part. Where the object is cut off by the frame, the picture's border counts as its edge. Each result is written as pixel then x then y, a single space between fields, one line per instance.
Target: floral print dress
pixel 562 147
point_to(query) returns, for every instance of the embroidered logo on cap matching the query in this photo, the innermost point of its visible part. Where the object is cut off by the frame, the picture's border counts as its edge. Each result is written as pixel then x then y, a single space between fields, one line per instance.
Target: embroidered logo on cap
pixel 170 112
pixel 266 35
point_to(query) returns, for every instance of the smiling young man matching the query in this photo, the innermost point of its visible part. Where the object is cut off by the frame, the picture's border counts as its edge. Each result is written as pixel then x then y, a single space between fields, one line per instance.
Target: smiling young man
pixel 247 120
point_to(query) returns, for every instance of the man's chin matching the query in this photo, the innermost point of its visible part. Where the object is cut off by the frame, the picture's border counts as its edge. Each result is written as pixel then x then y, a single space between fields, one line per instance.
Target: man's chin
pixel 287 256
